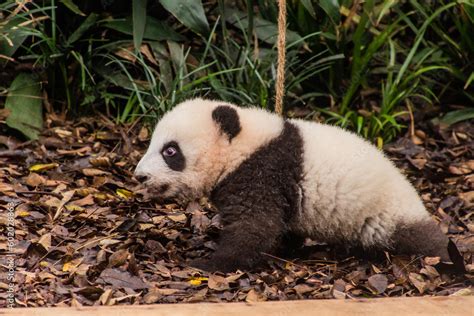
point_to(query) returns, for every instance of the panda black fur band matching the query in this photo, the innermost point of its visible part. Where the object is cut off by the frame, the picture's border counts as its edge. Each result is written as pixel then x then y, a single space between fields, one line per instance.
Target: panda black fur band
pixel 270 177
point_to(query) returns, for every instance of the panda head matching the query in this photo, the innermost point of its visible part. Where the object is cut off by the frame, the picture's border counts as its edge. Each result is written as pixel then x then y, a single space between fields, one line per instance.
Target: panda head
pixel 190 149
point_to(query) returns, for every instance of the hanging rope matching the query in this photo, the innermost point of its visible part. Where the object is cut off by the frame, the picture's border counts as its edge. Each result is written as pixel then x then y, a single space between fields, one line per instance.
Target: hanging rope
pixel 281 46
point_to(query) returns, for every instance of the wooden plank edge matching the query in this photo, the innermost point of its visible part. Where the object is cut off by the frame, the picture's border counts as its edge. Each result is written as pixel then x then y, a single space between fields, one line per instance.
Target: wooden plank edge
pixel 441 305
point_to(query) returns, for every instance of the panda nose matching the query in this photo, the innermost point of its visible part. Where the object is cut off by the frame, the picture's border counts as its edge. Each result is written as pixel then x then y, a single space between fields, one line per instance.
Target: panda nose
pixel 142 178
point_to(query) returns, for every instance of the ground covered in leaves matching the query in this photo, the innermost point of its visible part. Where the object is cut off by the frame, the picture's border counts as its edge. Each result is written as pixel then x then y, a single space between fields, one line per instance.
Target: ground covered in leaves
pixel 84 236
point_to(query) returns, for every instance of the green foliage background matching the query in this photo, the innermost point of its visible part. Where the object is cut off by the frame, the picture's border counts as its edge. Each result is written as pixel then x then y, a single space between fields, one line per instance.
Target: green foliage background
pixel 358 64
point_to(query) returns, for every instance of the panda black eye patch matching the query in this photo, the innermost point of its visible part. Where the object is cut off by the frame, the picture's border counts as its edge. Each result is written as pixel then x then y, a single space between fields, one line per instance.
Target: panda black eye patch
pixel 173 156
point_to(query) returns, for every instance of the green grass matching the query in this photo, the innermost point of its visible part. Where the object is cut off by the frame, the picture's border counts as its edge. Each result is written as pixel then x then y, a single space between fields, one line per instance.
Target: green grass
pixel 362 67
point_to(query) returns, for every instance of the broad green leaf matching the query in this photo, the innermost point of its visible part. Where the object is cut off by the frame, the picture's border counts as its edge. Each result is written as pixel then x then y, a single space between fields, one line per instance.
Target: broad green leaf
pixel 309 7
pixel 15 35
pixel 139 22
pixel 266 30
pixel 190 13
pixel 88 22
pixel 25 105
pixel 458 116
pixel 154 29
pixel 331 7
pixel 72 6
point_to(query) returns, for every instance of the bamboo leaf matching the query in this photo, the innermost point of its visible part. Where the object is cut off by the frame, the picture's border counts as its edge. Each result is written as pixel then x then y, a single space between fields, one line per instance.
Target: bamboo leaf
pixel 72 6
pixel 419 38
pixel 458 116
pixel 331 7
pixel 266 30
pixel 139 22
pixel 309 7
pixel 16 36
pixel 189 12
pixel 154 29
pixel 88 22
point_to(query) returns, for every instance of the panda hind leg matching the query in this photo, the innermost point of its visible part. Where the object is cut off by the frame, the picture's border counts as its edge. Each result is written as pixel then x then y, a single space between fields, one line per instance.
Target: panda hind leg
pixel 422 237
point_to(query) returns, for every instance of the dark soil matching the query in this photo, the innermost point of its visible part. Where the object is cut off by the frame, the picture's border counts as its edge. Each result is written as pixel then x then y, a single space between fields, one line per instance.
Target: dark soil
pixel 85 236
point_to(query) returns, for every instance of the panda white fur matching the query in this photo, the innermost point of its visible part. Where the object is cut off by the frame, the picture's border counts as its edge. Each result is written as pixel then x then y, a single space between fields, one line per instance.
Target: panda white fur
pixel 270 177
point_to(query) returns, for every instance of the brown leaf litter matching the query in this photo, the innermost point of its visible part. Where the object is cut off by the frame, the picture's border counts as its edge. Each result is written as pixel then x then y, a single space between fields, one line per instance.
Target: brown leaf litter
pixel 84 235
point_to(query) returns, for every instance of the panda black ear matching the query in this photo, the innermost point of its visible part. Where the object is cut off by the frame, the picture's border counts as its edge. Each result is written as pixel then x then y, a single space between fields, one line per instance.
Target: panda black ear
pixel 227 119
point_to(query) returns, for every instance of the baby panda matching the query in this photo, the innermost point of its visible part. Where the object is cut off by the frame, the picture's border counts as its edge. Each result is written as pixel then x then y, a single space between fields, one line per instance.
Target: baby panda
pixel 271 177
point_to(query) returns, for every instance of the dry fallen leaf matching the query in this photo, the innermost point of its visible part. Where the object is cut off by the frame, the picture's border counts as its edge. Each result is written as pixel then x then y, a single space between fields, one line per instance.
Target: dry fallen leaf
pixel 74 208
pixel 105 298
pixel 45 241
pixel 145 50
pixel 418 281
pixel 177 217
pixel 378 283
pixel 234 277
pixel 122 279
pixel 418 163
pixel 467 197
pixel 254 297
pixel 430 272
pixel 432 261
pixel 463 292
pixel 35 180
pixel 143 135
pixel 118 258
pixel 217 282
pixel 93 172
pixel 303 288
pixel 85 201
pixel 80 151
pixel 67 196
pixel 106 241
pixel 153 296
pixel 338 289
pixel 126 53
pixel 72 265
pixel 168 291
pixel 100 161
pixel 460 170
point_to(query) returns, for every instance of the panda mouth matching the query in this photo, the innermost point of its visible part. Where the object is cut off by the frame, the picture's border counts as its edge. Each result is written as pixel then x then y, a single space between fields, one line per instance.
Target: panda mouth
pixel 164 193
pixel 158 190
